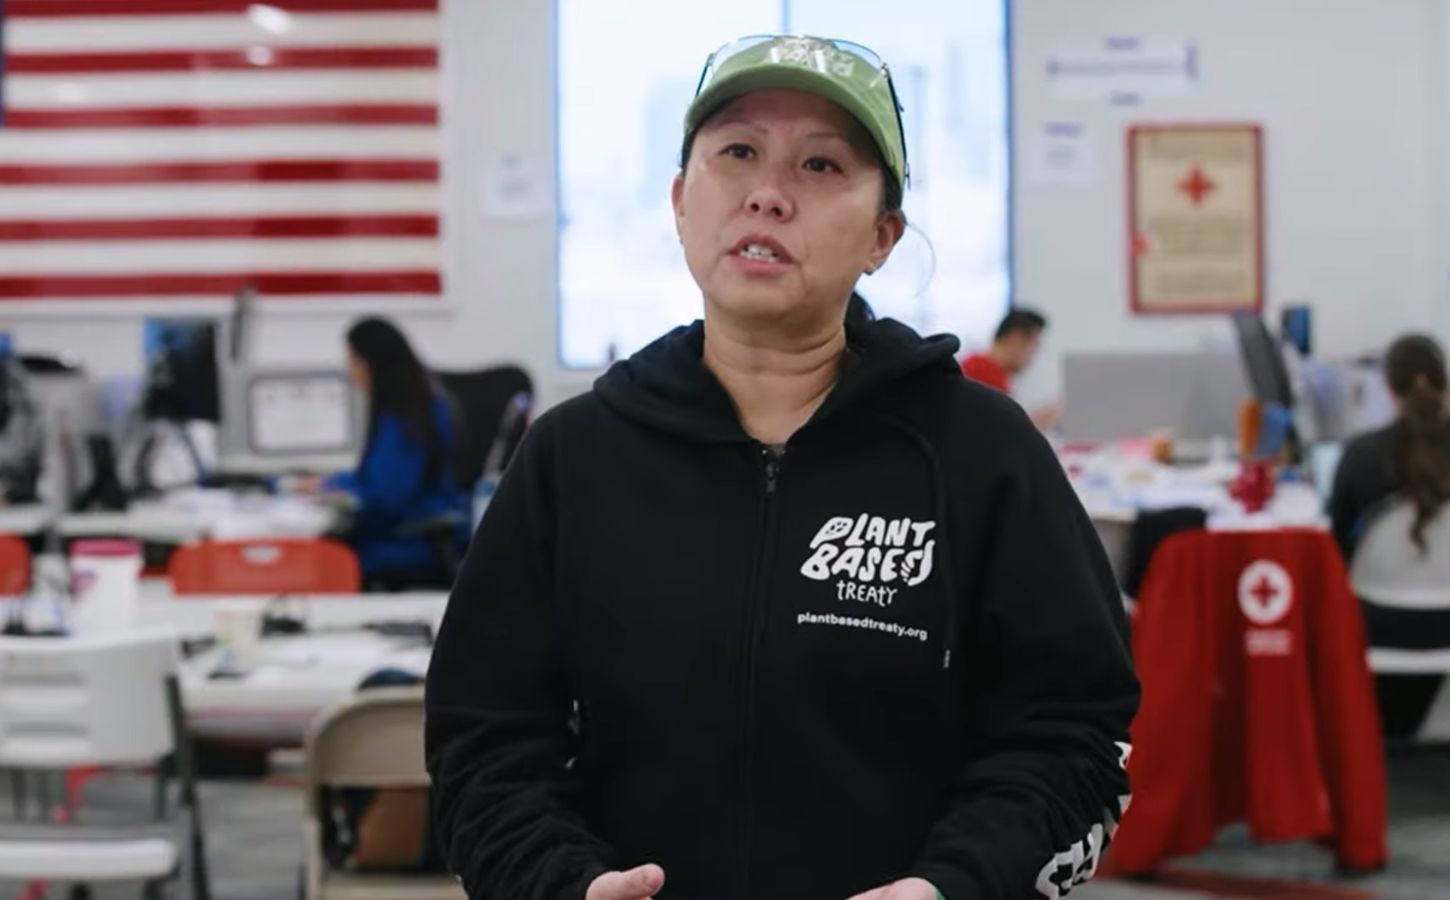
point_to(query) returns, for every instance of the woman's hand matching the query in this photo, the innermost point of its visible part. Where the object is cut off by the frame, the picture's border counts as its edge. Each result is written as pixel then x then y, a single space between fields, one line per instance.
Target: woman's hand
pixel 636 884
pixel 1047 417
pixel 906 889
pixel 305 484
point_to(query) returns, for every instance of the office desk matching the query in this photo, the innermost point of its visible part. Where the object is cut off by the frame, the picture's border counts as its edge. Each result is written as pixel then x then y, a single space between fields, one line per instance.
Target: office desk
pixel 285 464
pixel 195 617
pixel 156 525
pixel 1115 489
pixel 193 514
pixel 1293 506
pixel 26 519
pixel 297 676
pixel 296 679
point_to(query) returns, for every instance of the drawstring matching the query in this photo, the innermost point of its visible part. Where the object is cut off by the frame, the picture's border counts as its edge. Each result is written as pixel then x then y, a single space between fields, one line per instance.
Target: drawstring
pixel 939 497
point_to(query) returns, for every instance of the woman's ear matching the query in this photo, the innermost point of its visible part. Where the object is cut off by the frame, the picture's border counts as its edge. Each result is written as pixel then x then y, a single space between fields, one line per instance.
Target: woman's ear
pixel 890 226
pixel 677 201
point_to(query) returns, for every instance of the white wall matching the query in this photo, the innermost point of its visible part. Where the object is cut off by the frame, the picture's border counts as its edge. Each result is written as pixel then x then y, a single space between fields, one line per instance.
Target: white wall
pixel 1350 94
pixel 1354 97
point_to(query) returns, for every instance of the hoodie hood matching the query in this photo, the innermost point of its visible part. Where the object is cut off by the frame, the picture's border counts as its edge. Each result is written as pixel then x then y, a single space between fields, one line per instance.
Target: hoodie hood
pixel 667 386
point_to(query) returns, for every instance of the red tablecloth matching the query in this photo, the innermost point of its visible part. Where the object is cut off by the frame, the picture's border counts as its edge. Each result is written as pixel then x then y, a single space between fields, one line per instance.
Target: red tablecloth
pixel 1257 705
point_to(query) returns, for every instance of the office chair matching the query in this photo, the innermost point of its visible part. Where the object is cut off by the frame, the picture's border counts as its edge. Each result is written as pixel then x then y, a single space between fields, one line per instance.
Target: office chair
pixel 492 406
pixel 265 567
pixel 483 399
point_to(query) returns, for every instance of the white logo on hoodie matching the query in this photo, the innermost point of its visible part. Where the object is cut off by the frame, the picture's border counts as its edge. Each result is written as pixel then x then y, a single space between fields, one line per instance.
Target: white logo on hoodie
pixel 872 552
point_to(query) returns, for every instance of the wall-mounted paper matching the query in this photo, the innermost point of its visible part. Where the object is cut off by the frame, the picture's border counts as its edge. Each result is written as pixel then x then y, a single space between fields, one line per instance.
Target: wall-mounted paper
pixel 1117 68
pixel 1061 153
pixel 516 186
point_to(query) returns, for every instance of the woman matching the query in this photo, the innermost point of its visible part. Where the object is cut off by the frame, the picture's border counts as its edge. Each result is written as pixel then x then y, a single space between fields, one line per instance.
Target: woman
pixel 405 475
pixel 1409 458
pixel 22 438
pixel 784 608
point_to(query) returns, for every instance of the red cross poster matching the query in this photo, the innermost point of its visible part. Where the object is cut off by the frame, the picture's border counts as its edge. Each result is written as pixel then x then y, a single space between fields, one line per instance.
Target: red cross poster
pixel 1195 218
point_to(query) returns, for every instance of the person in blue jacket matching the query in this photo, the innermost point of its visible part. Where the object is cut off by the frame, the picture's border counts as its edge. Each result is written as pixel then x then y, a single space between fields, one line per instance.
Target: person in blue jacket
pixel 405 474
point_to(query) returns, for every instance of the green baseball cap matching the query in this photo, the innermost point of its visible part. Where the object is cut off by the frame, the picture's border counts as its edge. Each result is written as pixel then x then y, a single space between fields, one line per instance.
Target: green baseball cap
pixel 849 75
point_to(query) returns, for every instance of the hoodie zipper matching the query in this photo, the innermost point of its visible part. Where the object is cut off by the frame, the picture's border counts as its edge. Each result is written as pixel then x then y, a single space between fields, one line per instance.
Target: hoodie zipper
pixel 754 627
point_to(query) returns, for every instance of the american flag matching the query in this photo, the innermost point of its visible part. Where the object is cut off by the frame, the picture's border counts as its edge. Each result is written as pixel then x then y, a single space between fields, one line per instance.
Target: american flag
pixel 187 148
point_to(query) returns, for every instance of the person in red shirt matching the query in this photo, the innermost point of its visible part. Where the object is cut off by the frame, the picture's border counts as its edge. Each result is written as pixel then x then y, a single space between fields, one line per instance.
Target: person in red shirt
pixel 1013 348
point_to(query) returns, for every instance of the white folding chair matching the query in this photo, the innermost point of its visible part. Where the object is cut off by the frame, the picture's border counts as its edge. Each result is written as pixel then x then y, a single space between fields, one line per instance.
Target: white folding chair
pixel 104 701
pixel 373 740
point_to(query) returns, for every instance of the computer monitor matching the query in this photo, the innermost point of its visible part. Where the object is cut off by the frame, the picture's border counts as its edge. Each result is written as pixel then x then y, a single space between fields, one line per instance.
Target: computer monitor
pixel 1263 360
pixel 182 381
pixel 280 419
pixel 299 413
pixel 1109 395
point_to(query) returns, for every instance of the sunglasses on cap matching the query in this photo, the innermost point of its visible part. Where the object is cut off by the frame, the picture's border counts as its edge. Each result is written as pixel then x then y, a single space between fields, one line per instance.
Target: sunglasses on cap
pixel 856 77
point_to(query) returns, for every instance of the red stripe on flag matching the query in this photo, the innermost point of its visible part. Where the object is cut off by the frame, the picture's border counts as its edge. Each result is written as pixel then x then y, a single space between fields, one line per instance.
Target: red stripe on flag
pixel 224 116
pixel 212 228
pixel 254 170
pixel 53 8
pixel 221 284
pixel 255 59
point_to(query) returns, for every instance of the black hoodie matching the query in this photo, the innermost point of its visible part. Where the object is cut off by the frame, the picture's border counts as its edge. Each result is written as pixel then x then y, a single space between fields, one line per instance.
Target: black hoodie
pixel 894 649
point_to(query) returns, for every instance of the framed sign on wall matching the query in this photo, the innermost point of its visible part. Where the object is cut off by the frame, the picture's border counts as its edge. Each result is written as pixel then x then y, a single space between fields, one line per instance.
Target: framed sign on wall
pixel 1195 218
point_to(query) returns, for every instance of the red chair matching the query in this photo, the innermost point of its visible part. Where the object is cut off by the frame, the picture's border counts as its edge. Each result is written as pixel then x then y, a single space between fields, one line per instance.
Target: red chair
pixel 280 566
pixel 14 566
pixel 1257 701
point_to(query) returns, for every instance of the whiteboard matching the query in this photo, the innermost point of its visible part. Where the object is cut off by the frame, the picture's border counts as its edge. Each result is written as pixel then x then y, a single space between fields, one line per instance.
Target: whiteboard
pixel 292 413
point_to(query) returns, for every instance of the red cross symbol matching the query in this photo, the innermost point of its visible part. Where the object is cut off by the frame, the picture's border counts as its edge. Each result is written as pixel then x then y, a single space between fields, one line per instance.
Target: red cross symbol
pixel 1264 591
pixel 1197 186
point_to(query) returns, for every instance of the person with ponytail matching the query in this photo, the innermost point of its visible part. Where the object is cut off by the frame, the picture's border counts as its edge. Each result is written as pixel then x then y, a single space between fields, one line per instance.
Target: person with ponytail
pixel 405 473
pixel 1410 458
